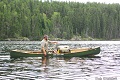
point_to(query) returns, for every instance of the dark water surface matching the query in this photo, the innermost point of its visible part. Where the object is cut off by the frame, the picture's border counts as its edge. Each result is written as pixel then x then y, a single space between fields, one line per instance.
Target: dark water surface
pixel 106 66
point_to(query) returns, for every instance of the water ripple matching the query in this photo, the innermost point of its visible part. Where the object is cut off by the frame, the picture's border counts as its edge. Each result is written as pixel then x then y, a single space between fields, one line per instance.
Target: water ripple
pixel 75 68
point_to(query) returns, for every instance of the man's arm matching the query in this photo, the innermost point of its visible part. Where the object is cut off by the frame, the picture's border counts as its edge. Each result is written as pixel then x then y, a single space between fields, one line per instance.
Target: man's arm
pixel 44 51
pixel 53 42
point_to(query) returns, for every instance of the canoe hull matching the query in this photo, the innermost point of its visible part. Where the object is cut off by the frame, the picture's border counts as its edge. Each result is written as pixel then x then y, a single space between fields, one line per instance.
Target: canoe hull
pixel 89 52
pixel 16 54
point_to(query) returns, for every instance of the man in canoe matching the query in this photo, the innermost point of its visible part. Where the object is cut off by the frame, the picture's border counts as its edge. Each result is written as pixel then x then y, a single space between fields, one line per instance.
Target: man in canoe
pixel 44 44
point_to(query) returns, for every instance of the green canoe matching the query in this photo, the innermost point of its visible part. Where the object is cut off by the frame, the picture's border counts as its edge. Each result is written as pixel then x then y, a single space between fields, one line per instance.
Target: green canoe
pixel 73 53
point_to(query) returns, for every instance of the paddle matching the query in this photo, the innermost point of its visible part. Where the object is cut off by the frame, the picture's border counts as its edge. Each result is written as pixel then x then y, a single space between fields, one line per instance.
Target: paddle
pixel 53 49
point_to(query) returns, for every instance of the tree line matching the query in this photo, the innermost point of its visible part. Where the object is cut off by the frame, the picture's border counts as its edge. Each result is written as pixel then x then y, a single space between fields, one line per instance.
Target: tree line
pixel 34 18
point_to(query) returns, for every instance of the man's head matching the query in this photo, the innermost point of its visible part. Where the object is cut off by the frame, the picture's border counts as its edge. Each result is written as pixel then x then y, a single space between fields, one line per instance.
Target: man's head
pixel 46 37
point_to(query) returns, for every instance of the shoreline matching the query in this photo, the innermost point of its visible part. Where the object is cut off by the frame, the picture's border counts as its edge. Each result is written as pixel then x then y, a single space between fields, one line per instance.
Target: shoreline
pixel 75 38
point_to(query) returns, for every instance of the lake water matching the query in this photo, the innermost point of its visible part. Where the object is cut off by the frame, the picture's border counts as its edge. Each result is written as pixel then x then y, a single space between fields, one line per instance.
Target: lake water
pixel 105 66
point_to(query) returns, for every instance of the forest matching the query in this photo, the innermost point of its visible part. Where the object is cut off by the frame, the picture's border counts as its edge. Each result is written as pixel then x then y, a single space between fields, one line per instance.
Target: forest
pixel 64 20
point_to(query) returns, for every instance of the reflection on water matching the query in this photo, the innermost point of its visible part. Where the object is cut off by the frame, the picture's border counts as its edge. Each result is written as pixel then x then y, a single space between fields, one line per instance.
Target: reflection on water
pixel 105 65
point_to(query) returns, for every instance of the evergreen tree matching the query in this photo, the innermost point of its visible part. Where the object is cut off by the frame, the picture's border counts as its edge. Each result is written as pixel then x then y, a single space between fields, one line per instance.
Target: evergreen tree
pixel 34 18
